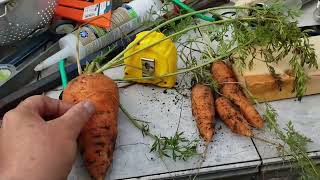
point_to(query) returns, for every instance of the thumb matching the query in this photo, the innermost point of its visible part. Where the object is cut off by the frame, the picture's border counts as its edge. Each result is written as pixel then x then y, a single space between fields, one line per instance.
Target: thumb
pixel 75 118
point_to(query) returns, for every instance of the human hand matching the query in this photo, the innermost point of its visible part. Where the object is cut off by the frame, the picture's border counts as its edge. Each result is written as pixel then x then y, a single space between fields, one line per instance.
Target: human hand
pixel 35 149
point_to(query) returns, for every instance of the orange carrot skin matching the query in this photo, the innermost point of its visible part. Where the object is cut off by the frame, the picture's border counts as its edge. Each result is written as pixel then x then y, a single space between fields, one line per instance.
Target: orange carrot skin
pixel 235 94
pixel 98 137
pixel 232 118
pixel 203 110
pixel 222 73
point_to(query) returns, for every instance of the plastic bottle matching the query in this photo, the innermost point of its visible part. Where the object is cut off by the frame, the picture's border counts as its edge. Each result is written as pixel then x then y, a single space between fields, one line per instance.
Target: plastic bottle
pixel 91 38
pixel 7 71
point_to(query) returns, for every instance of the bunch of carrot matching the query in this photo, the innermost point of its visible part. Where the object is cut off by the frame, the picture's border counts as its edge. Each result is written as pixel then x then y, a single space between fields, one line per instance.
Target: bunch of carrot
pixel 233 107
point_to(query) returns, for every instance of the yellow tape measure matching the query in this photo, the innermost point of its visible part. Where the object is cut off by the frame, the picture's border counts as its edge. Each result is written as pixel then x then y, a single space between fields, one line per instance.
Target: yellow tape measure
pixel 156 61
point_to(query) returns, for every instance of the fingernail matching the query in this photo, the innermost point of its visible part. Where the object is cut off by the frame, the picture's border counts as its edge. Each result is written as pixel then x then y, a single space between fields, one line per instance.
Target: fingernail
pixel 89 106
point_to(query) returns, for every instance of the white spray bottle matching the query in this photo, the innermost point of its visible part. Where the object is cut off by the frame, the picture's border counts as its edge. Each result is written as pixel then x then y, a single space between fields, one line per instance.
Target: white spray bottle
pixel 124 20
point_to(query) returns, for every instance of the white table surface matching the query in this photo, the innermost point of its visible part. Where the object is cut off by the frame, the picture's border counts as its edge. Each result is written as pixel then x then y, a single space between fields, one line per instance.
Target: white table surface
pixel 132 157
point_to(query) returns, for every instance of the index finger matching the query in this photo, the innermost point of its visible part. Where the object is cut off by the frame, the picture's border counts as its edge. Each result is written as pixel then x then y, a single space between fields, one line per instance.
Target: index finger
pixel 45 106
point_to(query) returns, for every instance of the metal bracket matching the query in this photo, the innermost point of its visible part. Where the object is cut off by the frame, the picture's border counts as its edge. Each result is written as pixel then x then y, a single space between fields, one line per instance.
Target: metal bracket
pixel 5 11
pixel 148 67
pixel 5 7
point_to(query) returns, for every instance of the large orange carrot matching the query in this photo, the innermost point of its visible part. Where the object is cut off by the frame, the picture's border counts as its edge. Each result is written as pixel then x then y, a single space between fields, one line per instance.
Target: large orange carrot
pixel 203 110
pixel 234 93
pixel 98 137
pixel 232 118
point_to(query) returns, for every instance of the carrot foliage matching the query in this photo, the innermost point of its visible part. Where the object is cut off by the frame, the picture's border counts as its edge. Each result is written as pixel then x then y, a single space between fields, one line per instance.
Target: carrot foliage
pixel 176 147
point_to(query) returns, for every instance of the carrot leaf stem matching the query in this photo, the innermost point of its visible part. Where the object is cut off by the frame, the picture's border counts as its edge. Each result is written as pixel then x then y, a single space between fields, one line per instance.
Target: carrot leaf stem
pixel 176 147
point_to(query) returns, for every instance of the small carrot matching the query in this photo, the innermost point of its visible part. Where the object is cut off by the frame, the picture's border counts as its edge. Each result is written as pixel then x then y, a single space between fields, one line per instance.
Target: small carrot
pixel 232 118
pixel 98 136
pixel 235 94
pixel 203 110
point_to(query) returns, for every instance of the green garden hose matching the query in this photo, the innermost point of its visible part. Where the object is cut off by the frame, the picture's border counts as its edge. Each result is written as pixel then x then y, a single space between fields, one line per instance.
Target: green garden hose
pixel 189 9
